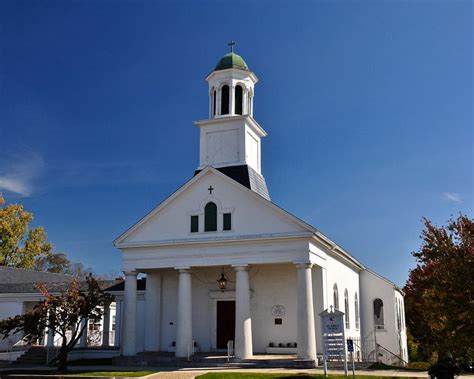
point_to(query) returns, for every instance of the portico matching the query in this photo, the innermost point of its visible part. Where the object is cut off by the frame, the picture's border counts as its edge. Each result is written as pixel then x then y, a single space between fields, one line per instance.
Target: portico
pixel 199 304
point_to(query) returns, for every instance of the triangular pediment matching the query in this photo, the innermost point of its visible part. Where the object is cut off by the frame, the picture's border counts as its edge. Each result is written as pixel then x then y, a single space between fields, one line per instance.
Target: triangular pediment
pixel 251 214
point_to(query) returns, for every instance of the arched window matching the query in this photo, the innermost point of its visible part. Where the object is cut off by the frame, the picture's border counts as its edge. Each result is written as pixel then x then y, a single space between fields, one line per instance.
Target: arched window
pixel 225 99
pixel 335 295
pixel 378 314
pixel 210 217
pixel 346 309
pixel 356 311
pixel 402 312
pixel 214 101
pixel 399 319
pixel 239 97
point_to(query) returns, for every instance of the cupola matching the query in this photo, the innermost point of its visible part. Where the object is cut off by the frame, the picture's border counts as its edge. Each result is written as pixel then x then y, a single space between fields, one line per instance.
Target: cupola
pixel 230 139
pixel 231 87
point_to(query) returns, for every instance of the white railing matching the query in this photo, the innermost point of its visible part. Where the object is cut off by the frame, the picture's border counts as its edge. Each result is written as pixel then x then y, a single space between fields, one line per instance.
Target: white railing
pixel 21 344
pixel 391 358
pixel 230 350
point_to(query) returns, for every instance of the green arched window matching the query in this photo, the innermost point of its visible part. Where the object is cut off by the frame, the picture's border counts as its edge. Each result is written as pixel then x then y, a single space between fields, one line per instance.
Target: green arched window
pixel 239 94
pixel 225 99
pixel 210 217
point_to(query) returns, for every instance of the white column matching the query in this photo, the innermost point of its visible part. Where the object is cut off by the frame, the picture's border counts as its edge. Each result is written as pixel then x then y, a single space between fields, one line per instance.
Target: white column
pixel 306 338
pixel 243 321
pixel 83 339
pixel 218 102
pixel 49 335
pixel 184 327
pixel 129 336
pixel 231 99
pixel 118 322
pixel 153 310
pixel 106 326
pixel 50 339
pixel 210 106
pixel 245 101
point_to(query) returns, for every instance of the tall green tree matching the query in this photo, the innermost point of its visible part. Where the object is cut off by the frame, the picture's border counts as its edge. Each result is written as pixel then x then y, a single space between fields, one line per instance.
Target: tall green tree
pixel 53 262
pixel 440 290
pixel 63 314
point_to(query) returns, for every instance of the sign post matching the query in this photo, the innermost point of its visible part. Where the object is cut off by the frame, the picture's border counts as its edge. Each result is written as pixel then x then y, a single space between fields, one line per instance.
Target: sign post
pixel 350 349
pixel 333 334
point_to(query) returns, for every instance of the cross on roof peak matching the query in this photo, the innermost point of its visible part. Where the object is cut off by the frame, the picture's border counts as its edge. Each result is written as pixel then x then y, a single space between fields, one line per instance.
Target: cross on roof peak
pixel 231 44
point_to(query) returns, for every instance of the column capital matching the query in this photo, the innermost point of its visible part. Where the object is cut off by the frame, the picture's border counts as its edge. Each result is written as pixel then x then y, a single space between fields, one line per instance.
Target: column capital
pixel 183 270
pixel 241 267
pixel 301 265
pixel 130 273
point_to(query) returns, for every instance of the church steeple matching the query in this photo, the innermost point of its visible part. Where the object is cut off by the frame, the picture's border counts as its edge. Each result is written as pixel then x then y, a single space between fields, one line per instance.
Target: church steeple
pixel 230 137
pixel 231 91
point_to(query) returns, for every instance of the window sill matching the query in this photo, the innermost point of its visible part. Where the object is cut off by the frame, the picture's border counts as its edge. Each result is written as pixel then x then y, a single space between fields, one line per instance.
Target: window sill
pixel 209 232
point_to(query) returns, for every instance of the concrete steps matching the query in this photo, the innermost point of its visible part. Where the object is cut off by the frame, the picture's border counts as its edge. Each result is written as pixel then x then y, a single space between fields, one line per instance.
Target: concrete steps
pixel 35 356
pixel 163 360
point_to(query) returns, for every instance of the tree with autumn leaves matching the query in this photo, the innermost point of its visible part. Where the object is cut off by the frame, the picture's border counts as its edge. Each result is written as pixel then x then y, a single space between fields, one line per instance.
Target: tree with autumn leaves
pixel 439 293
pixel 65 314
pixel 29 248
pixel 20 246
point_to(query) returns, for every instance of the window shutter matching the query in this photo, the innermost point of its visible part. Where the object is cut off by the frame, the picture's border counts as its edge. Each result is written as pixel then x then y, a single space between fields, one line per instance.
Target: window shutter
pixel 227 221
pixel 194 224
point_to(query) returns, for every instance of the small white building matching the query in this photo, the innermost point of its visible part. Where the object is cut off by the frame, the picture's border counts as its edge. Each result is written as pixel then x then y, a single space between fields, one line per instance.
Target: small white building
pixel 224 263
pixel 19 294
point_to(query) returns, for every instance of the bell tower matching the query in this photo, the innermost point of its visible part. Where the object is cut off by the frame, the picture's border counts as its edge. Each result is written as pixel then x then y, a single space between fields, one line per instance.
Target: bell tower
pixel 230 139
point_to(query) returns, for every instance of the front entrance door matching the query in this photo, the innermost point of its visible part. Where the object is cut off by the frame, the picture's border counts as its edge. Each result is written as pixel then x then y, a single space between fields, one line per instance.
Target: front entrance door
pixel 225 323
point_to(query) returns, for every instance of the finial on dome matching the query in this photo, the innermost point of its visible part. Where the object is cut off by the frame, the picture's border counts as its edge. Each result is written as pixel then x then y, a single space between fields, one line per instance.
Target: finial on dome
pixel 231 44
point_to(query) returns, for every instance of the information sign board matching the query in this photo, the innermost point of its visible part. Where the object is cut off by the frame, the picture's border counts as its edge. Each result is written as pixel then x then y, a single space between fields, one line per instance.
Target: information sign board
pixel 350 346
pixel 333 333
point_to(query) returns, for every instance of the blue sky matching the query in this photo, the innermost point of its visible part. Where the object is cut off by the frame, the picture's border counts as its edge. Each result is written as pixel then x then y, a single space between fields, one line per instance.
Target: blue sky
pixel 368 107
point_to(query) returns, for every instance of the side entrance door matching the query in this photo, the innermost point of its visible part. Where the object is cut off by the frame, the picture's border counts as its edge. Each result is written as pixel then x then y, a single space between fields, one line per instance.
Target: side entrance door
pixel 225 323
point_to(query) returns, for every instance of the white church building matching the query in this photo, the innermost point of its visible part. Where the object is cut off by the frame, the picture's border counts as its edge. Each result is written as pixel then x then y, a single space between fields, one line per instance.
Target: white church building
pixel 224 263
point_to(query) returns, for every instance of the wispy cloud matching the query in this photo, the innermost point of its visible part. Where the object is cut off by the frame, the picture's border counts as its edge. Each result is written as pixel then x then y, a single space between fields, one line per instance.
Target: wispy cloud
pixel 453 196
pixel 19 172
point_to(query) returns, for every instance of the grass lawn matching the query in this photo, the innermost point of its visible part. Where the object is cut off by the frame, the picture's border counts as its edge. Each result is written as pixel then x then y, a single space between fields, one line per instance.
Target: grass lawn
pixel 413 366
pixel 79 373
pixel 113 373
pixel 249 375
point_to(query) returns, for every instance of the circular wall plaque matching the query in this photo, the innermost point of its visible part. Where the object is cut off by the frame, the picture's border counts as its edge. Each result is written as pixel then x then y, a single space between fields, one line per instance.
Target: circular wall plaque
pixel 278 310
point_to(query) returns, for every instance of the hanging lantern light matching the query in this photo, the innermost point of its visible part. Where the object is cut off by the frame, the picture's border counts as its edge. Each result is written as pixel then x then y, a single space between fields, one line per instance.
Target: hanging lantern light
pixel 222 281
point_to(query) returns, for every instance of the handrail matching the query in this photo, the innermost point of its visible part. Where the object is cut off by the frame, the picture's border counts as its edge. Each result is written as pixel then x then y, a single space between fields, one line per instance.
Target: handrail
pixel 20 342
pixel 17 343
pixel 395 355
pixel 230 349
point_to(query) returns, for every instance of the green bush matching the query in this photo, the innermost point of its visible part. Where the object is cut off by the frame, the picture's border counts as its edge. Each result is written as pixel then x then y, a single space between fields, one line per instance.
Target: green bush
pixel 445 369
pixel 419 365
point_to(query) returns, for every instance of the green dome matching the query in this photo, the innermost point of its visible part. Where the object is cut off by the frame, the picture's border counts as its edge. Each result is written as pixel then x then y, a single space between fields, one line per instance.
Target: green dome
pixel 231 60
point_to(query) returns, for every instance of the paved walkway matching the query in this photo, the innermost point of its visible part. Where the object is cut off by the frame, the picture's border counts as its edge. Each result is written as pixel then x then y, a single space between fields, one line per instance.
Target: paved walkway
pixel 190 373
pixel 174 373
